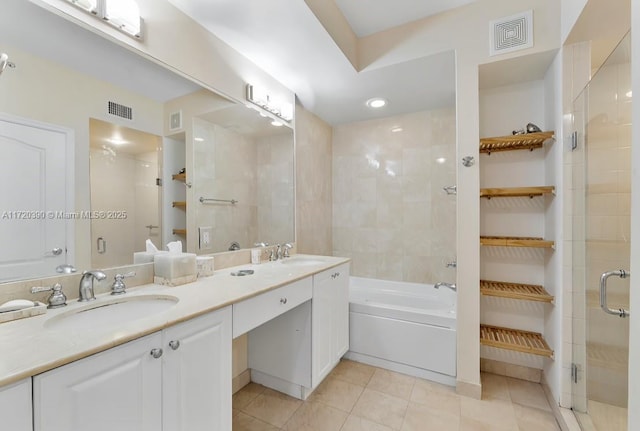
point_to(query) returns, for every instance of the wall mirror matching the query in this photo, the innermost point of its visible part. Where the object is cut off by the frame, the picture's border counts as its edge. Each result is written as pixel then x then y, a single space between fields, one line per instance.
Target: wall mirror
pixel 67 80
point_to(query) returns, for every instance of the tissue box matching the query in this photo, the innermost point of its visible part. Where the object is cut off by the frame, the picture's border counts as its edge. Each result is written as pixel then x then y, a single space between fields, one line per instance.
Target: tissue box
pixel 204 265
pixel 174 269
pixel 145 256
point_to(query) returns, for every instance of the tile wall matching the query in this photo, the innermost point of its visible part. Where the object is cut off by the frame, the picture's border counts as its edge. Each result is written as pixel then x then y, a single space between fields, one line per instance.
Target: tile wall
pixel 313 184
pixel 390 212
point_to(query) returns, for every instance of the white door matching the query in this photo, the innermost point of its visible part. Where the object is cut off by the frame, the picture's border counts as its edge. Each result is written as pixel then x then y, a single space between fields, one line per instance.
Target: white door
pixel 15 406
pixel 196 383
pixel 322 338
pixel 116 390
pixel 341 312
pixel 33 197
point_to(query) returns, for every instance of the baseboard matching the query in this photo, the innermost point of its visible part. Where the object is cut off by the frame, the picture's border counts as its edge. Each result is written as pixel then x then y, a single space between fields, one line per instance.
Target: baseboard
pixel 565 417
pixel 511 370
pixel 280 385
pixel 241 380
pixel 471 390
pixel 401 368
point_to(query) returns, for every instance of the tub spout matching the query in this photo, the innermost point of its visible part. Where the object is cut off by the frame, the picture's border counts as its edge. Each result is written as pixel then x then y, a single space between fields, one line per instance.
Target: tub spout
pixel 451 286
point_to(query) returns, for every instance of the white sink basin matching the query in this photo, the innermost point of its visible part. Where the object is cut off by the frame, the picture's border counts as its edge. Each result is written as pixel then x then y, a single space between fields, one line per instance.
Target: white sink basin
pixel 301 261
pixel 112 312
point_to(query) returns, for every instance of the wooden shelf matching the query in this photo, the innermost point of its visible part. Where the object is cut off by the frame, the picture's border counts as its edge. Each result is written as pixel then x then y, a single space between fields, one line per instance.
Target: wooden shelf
pixel 516 191
pixel 179 204
pixel 179 177
pixel 179 231
pixel 526 292
pixel 507 241
pixel 529 141
pixel 514 339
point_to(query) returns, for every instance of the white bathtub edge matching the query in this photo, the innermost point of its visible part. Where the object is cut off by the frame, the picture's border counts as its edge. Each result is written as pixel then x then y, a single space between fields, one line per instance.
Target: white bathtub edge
pixel 401 368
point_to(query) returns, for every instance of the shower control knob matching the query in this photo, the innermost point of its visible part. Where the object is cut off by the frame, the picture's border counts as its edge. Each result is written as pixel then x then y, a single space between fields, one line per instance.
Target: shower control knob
pixel 468 161
pixel 283 301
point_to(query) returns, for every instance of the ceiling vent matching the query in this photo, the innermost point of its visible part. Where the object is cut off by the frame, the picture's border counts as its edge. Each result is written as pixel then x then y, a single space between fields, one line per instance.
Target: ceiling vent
pixel 512 33
pixel 121 111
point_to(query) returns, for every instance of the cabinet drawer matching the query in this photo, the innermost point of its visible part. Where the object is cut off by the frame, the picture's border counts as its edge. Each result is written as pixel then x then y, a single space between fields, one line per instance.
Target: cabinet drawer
pixel 255 311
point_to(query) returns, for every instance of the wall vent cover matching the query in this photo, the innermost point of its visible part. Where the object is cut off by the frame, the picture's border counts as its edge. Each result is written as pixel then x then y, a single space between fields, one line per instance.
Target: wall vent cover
pixel 175 121
pixel 121 111
pixel 512 33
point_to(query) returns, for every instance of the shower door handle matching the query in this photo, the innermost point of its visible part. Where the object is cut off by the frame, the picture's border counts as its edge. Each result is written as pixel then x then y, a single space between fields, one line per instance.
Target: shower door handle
pixel 621 312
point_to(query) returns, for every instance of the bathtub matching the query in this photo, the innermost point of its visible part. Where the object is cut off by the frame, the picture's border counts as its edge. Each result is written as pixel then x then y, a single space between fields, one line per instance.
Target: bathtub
pixel 404 327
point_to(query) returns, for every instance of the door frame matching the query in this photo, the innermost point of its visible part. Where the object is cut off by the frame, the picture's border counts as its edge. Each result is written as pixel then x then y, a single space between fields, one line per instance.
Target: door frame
pixel 69 206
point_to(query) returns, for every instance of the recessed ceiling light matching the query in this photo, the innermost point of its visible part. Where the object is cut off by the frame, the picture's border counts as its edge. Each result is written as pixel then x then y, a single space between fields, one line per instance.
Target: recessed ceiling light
pixel 397 129
pixel 376 102
pixel 276 123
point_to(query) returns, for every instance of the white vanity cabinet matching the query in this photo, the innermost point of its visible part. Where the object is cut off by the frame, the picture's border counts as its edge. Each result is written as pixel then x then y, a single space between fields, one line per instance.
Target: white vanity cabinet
pixel 330 320
pixel 294 352
pixel 196 380
pixel 176 379
pixel 15 406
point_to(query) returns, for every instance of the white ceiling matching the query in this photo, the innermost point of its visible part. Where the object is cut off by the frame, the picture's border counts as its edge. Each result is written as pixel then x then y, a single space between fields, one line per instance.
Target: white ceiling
pixel 287 40
pixel 282 37
pixel 372 16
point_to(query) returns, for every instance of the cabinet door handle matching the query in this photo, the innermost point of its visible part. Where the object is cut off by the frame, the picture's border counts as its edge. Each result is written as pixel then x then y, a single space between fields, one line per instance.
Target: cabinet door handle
pixel 283 301
pixel 156 353
pixel 174 344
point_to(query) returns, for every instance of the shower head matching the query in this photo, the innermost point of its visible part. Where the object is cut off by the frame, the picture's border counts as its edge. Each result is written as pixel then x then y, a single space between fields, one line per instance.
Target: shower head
pixel 4 62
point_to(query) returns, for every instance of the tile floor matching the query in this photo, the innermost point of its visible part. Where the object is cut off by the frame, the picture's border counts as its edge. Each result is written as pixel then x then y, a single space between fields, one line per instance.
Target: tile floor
pixel 358 397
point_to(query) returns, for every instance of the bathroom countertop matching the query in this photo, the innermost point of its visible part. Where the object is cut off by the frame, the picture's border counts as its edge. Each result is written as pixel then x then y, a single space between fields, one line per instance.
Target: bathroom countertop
pixel 28 347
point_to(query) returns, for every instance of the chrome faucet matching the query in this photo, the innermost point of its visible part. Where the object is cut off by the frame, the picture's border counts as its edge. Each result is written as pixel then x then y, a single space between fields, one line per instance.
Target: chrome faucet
pixel 451 286
pixel 285 250
pixel 275 253
pixel 86 285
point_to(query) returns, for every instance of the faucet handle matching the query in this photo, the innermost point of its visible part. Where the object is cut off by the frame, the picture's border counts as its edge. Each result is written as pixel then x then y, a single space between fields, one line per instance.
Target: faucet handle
pixel 57 298
pixel 286 247
pixel 260 244
pixel 118 287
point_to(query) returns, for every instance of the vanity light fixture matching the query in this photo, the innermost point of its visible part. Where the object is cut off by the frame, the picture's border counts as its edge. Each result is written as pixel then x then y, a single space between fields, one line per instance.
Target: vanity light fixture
pixel 441 160
pixel 117 141
pixel 261 98
pixel 198 139
pixel 376 102
pixel 629 94
pixel 123 15
pixel 397 129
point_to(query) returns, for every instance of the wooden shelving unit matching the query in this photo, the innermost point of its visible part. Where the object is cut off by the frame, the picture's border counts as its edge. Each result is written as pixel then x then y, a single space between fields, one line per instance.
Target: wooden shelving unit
pixel 514 339
pixel 516 241
pixel 525 292
pixel 496 336
pixel 529 141
pixel 179 204
pixel 504 192
pixel 179 177
pixel 179 231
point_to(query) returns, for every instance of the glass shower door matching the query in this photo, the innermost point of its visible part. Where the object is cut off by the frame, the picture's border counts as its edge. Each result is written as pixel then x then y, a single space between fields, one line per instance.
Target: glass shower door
pixel 601 244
